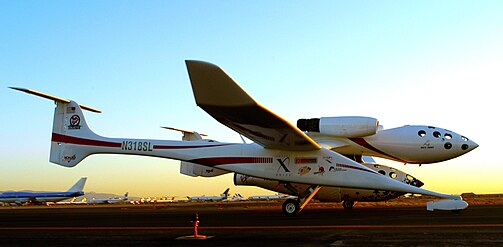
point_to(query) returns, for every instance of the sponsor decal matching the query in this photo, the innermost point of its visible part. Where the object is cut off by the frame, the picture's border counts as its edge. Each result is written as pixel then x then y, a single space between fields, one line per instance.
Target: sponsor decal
pixel 328 159
pixel 283 170
pixel 74 122
pixel 427 145
pixel 321 170
pixel 306 160
pixel 69 158
pixel 304 170
pixel 337 168
pixel 244 178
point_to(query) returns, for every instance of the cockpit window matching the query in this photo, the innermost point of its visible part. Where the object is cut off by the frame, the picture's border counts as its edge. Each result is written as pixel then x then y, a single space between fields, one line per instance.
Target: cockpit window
pixel 436 134
pixel 464 138
pixel 448 136
pixel 377 166
pixel 431 127
pixel 409 177
pixel 392 174
pixel 421 133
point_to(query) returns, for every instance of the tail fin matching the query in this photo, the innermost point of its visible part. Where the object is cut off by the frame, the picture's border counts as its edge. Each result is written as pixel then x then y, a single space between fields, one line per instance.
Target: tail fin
pixel 226 192
pixel 69 126
pixel 79 186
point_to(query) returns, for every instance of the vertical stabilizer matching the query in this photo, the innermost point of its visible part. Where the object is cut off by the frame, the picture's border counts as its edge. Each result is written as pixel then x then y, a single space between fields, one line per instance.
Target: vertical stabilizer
pixel 79 186
pixel 69 126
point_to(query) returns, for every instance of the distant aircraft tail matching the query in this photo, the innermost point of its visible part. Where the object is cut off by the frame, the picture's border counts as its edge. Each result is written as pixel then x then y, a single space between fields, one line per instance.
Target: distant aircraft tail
pixel 226 193
pixel 79 186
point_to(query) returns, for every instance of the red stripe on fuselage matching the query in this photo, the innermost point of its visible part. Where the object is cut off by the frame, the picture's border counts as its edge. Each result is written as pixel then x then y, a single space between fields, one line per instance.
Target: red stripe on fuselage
pixel 231 160
pixel 82 141
pixel 90 142
pixel 360 141
pixel 194 146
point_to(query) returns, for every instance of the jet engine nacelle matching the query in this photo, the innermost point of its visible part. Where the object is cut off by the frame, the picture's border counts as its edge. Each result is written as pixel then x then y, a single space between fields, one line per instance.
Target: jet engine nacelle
pixel 349 127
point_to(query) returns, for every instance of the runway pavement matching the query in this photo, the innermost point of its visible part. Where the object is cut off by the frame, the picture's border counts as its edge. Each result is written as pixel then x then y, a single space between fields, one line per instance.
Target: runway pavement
pixel 249 224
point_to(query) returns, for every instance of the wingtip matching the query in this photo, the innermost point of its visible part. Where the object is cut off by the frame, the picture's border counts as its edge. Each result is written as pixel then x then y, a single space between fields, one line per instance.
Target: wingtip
pixel 20 89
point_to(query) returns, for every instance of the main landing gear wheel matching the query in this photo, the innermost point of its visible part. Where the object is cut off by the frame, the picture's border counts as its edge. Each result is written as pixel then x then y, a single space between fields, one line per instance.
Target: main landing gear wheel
pixel 348 204
pixel 291 207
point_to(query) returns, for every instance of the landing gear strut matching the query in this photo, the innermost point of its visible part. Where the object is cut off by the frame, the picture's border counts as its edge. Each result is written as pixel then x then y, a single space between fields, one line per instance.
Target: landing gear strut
pixel 291 206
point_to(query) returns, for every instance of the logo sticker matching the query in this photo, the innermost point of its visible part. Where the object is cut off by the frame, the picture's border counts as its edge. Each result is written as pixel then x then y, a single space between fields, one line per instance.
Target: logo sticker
pixel 284 163
pixel 69 158
pixel 321 170
pixel 304 170
pixel 74 122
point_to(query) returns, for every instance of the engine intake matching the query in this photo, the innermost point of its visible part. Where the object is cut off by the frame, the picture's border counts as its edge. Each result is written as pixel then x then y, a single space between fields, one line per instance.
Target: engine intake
pixel 349 127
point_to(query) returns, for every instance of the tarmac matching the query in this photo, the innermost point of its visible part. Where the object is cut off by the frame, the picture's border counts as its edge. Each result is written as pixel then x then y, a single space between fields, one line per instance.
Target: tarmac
pixel 249 224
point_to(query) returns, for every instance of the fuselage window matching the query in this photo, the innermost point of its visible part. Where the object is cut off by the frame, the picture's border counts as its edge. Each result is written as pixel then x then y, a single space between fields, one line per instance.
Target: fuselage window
pixel 392 174
pixel 447 145
pixel 464 138
pixel 448 136
pixel 382 172
pixel 436 134
pixel 464 146
pixel 421 133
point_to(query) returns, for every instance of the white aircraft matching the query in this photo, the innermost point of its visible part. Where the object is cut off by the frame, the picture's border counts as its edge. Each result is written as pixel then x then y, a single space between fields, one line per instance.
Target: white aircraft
pixel 267 197
pixel 355 137
pixel 20 198
pixel 110 200
pixel 72 202
pixel 279 153
pixel 235 198
pixel 348 196
pixel 220 197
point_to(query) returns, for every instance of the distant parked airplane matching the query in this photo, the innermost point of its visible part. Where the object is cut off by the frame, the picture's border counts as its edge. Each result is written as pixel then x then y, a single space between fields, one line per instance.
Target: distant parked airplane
pixel 72 202
pixel 20 198
pixel 269 197
pixel 110 200
pixel 210 198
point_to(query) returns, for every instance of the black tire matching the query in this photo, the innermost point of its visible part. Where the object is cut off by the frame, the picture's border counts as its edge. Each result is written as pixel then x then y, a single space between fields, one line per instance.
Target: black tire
pixel 348 204
pixel 290 207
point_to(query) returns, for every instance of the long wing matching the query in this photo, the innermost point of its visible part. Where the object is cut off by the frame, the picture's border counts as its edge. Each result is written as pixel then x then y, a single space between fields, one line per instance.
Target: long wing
pixel 217 94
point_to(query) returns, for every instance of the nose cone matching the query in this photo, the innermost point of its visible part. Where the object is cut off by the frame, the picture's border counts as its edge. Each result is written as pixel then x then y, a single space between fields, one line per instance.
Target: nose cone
pixel 468 145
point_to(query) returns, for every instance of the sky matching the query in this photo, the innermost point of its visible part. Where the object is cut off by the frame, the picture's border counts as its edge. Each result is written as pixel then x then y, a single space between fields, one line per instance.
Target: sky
pixel 435 63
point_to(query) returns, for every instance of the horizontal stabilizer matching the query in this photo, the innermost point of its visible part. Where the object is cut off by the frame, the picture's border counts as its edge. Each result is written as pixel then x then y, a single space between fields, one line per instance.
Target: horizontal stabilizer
pixel 47 96
pixel 188 135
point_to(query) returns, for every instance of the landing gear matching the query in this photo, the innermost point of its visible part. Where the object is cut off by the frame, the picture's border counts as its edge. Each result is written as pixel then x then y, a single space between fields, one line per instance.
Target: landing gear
pixel 291 207
pixel 348 204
